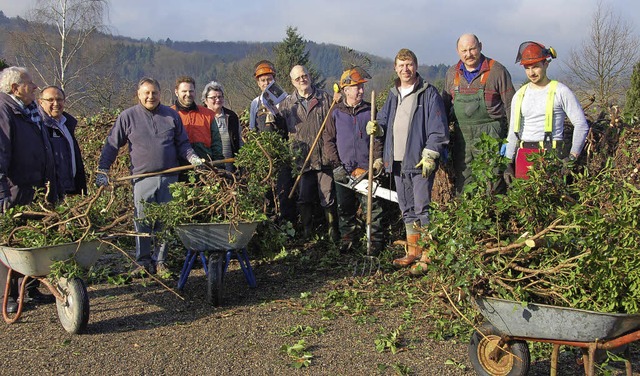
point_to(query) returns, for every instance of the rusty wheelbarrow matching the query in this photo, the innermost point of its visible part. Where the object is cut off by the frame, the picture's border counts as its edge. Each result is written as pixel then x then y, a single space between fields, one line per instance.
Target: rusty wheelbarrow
pixel 500 347
pixel 72 300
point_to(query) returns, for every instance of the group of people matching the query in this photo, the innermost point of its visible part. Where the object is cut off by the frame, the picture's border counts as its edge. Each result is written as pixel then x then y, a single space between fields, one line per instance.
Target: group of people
pixel 331 133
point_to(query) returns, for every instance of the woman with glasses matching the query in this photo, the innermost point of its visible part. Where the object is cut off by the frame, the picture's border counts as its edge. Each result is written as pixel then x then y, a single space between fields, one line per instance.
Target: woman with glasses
pixel 227 121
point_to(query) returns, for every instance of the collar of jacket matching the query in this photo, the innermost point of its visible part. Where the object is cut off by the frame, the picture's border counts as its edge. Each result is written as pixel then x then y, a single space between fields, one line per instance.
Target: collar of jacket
pixel 180 107
pixel 484 65
pixel 419 86
pixel 362 106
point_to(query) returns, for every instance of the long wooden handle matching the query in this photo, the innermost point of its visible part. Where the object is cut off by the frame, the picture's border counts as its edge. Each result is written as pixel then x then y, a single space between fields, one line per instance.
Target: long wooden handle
pixel 371 142
pixel 173 169
pixel 313 146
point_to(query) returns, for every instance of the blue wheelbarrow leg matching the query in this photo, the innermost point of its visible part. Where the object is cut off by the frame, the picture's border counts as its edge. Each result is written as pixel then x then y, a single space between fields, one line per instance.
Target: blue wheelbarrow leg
pixel 245 265
pixel 190 259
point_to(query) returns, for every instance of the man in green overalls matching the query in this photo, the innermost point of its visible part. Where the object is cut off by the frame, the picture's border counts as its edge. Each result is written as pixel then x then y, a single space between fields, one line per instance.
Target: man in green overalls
pixel 477 97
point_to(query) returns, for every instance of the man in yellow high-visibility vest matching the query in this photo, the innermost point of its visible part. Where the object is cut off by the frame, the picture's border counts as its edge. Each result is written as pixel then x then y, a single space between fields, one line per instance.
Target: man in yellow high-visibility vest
pixel 538 111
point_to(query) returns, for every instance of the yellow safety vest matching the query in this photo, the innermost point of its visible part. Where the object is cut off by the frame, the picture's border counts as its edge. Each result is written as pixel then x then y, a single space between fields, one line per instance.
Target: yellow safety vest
pixel 548 116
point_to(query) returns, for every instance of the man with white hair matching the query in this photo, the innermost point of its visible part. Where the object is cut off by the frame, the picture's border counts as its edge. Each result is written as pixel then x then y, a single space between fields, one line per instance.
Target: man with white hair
pixel 26 158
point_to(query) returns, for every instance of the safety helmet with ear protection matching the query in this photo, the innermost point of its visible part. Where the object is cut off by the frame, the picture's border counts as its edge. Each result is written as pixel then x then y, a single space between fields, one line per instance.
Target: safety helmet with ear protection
pixel 353 76
pixel 533 52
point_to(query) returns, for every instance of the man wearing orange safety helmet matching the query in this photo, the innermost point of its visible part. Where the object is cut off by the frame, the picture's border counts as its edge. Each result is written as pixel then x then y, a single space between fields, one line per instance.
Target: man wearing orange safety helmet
pixel 477 97
pixel 262 119
pixel 538 111
pixel 346 146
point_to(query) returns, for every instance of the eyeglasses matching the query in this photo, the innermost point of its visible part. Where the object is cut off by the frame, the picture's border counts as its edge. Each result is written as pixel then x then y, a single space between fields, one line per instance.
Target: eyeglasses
pixel 216 97
pixel 51 100
pixel 300 78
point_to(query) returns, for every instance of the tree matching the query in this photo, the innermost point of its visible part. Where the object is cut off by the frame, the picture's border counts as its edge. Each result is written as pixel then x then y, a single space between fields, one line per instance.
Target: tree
pixel 56 44
pixel 290 52
pixel 602 65
pixel 632 105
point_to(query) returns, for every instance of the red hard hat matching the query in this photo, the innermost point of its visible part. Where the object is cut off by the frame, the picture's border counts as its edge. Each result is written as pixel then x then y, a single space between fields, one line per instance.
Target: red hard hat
pixel 533 52
pixel 264 67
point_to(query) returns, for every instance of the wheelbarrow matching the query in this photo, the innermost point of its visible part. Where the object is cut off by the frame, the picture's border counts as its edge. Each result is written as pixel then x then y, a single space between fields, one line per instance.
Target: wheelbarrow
pixel 501 348
pixel 222 242
pixel 72 299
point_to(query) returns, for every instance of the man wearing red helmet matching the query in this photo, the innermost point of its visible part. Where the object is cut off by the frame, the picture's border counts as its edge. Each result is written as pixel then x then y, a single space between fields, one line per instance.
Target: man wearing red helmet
pixel 477 97
pixel 346 145
pixel 538 111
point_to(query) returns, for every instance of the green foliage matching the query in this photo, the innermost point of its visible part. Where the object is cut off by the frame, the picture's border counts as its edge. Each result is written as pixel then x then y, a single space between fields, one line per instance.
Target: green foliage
pixel 298 352
pixel 389 341
pixel 210 196
pixel 562 237
pixel 632 106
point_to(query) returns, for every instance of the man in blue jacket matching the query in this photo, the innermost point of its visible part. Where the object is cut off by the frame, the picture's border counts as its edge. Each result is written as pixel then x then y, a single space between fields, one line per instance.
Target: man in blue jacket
pixel 346 145
pixel 61 127
pixel 26 158
pixel 416 131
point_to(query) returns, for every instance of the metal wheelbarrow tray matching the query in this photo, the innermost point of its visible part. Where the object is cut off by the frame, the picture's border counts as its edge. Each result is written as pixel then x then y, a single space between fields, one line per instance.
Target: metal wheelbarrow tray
pixel 72 299
pixel 37 261
pixel 500 348
pixel 222 241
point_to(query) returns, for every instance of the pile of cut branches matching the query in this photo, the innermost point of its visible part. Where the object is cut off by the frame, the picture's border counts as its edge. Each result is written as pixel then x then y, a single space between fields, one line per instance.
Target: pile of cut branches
pixel 218 196
pixel 567 236
pixel 75 218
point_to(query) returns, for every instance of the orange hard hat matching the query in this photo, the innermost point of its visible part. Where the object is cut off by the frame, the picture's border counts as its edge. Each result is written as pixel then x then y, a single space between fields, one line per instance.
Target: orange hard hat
pixel 353 76
pixel 533 52
pixel 264 67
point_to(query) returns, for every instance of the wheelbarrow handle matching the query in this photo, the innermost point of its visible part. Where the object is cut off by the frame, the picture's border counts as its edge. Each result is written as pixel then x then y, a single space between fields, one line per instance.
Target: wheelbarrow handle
pixel 174 169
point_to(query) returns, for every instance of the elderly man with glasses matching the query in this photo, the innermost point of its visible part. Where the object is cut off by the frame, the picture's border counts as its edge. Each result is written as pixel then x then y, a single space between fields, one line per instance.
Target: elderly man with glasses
pixel 305 110
pixel 61 127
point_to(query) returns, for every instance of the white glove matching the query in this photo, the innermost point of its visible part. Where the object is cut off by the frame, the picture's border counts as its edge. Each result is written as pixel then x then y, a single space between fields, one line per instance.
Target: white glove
pixel 428 162
pixel 195 160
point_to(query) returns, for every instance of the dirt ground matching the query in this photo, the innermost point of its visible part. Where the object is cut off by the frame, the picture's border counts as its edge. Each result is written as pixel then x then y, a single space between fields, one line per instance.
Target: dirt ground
pixel 143 329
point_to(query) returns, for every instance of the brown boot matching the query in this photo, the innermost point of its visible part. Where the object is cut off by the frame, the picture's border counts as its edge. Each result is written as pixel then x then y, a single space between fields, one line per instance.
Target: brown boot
pixel 420 267
pixel 413 251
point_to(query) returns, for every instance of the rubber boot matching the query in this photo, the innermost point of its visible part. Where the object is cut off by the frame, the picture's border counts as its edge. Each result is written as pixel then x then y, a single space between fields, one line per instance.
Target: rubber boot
pixel 306 217
pixel 331 214
pixel 420 267
pixel 413 252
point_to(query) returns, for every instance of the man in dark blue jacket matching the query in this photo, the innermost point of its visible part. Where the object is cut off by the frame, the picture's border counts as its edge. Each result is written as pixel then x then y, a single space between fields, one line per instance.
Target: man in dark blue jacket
pixel 416 131
pixel 26 159
pixel 61 128
pixel 346 145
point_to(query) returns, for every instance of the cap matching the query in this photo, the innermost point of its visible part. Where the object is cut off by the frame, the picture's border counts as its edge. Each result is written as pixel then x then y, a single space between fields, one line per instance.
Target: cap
pixel 353 76
pixel 264 67
pixel 533 52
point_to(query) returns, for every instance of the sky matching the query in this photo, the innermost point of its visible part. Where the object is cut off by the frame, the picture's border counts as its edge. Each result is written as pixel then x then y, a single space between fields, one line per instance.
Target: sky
pixel 381 27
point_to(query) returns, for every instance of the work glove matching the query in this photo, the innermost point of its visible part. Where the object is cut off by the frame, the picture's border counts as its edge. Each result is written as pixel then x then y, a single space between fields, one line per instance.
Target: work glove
pixel 428 162
pixel 503 150
pixel 568 163
pixel 378 165
pixel 102 177
pixel 195 160
pixel 373 128
pixel 509 174
pixel 340 175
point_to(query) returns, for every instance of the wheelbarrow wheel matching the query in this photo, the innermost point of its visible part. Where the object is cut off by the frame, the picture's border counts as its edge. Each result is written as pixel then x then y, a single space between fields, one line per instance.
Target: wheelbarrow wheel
pixel 215 280
pixel 487 362
pixel 73 308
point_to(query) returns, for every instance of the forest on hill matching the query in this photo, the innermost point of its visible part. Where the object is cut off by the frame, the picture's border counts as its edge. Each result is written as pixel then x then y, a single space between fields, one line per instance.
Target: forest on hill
pixel 102 75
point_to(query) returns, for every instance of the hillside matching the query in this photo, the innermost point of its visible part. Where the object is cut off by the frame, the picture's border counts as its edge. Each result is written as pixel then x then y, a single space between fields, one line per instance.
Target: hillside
pixel 121 61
